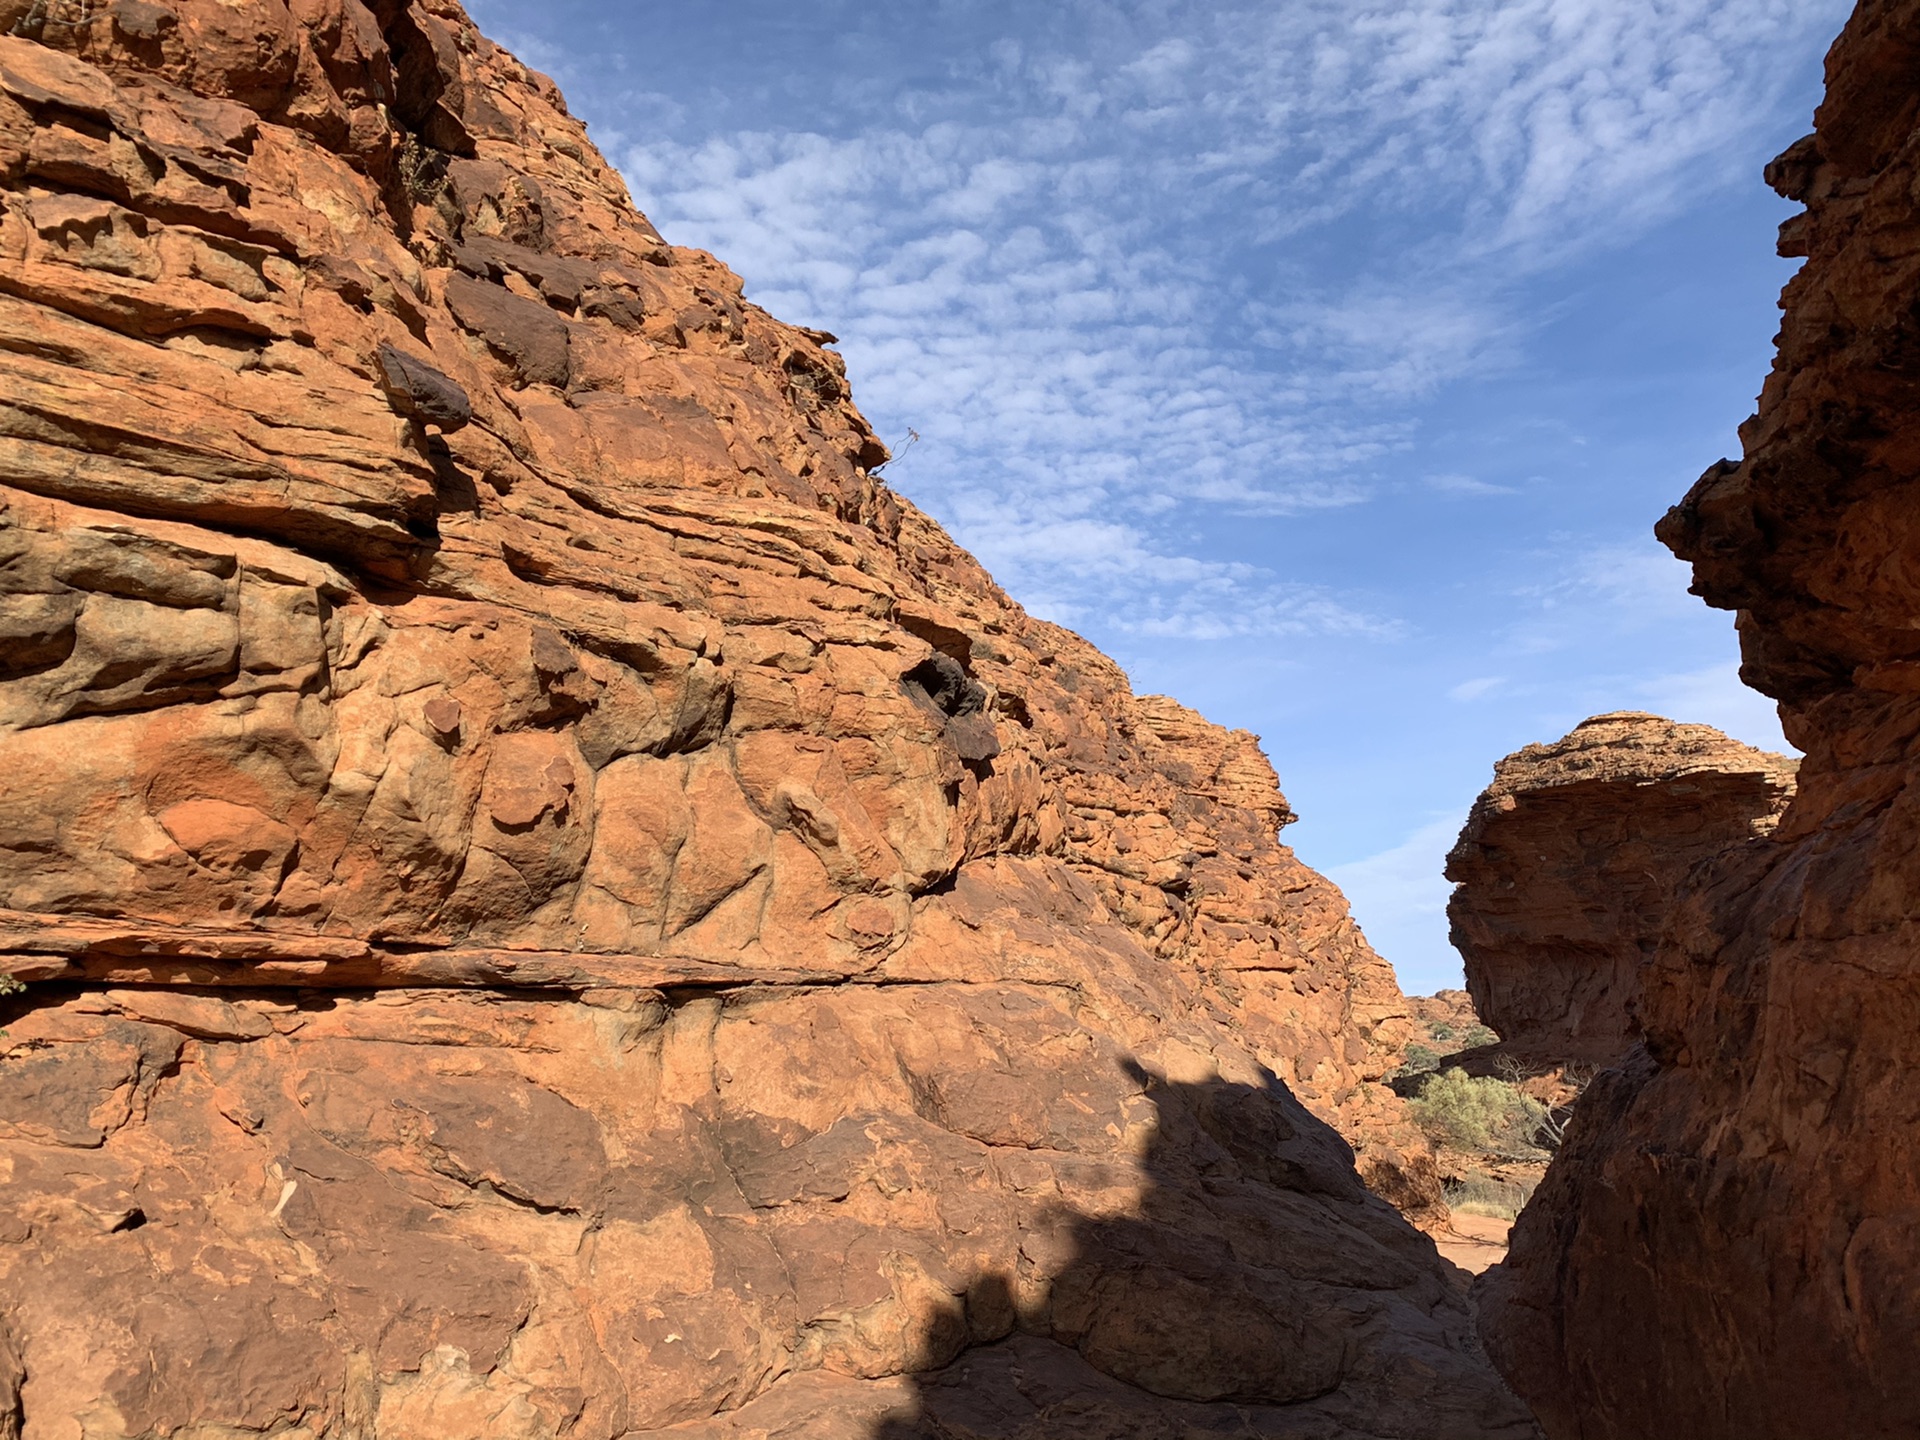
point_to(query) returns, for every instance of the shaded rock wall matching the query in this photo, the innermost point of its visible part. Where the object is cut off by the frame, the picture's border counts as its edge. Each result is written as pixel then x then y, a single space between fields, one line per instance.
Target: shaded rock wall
pixel 1566 870
pixel 1730 1243
pixel 555 904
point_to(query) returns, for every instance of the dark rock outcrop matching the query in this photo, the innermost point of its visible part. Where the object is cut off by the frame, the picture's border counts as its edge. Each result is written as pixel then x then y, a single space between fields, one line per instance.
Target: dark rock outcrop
pixel 523 936
pixel 1729 1245
pixel 1566 871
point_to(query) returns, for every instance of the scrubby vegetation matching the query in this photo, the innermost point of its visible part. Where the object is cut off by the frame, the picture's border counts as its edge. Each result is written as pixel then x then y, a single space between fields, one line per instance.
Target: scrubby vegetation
pixel 1478 1193
pixel 1422 1057
pixel 1420 1060
pixel 9 985
pixel 1470 1038
pixel 1478 1112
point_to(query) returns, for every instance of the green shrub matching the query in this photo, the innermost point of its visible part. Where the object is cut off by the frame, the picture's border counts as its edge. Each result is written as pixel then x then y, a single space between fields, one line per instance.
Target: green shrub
pixel 1477 1193
pixel 1440 1029
pixel 1475 1036
pixel 10 986
pixel 1419 1059
pixel 1476 1112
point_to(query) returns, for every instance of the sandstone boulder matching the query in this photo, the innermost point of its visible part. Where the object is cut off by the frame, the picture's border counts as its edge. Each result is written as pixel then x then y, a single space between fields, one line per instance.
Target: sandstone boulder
pixel 1729 1245
pixel 553 903
pixel 1566 871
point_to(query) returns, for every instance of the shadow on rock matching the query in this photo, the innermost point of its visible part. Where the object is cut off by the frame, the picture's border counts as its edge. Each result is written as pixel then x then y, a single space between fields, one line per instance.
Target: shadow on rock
pixel 1250 1287
pixel 1035 1247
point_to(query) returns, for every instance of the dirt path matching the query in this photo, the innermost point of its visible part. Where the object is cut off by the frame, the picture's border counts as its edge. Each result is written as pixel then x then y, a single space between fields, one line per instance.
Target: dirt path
pixel 1475 1242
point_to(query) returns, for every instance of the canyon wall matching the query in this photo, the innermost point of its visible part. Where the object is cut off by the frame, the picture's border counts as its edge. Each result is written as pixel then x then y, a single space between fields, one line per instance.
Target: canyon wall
pixel 1729 1245
pixel 1568 865
pixel 551 902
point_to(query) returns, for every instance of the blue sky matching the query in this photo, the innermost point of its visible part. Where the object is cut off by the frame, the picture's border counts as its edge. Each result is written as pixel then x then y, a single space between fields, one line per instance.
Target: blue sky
pixel 1326 362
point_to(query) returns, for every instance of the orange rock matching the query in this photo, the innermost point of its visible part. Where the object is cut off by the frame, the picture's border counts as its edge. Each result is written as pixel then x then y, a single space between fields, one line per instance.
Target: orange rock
pixel 443 714
pixel 565 906
pixel 1566 871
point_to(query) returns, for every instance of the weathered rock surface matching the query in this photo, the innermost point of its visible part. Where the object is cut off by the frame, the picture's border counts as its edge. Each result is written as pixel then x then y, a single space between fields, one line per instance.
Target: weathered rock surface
pixel 1729 1246
pixel 554 904
pixel 1566 871
pixel 1451 1010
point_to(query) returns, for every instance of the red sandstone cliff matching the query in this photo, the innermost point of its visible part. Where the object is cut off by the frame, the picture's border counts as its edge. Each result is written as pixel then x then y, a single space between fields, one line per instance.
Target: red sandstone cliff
pixel 553 903
pixel 1729 1246
pixel 1566 871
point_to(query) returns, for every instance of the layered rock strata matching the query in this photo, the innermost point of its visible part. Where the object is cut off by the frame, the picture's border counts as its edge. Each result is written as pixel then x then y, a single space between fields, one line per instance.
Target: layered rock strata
pixel 1566 870
pixel 1729 1246
pixel 552 903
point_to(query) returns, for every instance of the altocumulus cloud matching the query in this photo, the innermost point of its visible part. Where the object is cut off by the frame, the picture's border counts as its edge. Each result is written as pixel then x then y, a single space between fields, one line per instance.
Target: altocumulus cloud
pixel 1152 261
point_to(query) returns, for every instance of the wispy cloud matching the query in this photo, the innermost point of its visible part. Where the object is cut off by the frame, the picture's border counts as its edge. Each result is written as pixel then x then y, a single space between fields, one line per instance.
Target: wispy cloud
pixel 1045 263
pixel 1714 696
pixel 1466 485
pixel 1468 691
pixel 1399 896
pixel 1617 589
pixel 1080 570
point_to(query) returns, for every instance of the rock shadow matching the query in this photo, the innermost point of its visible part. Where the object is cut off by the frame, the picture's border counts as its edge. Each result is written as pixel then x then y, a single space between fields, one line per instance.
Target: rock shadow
pixel 1254 1288
pixel 1208 1265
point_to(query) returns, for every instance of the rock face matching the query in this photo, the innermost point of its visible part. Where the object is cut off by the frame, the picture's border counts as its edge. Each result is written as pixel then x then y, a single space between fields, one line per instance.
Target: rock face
pixel 1450 1009
pixel 1757 1161
pixel 555 905
pixel 1567 868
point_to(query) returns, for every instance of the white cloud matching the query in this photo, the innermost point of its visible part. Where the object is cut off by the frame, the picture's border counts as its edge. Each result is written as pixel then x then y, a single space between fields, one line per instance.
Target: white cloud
pixel 1606 589
pixel 1715 696
pixel 1465 485
pixel 1078 569
pixel 1470 690
pixel 1042 263
pixel 1399 896
pixel 1643 579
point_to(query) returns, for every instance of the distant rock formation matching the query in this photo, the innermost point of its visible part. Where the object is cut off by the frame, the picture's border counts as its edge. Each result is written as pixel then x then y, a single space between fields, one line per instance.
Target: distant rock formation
pixel 552 902
pixel 1728 1247
pixel 1566 871
pixel 1452 1009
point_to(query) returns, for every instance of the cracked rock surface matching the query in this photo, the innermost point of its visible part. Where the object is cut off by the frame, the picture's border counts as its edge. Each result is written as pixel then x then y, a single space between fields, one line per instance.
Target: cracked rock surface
pixel 554 904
